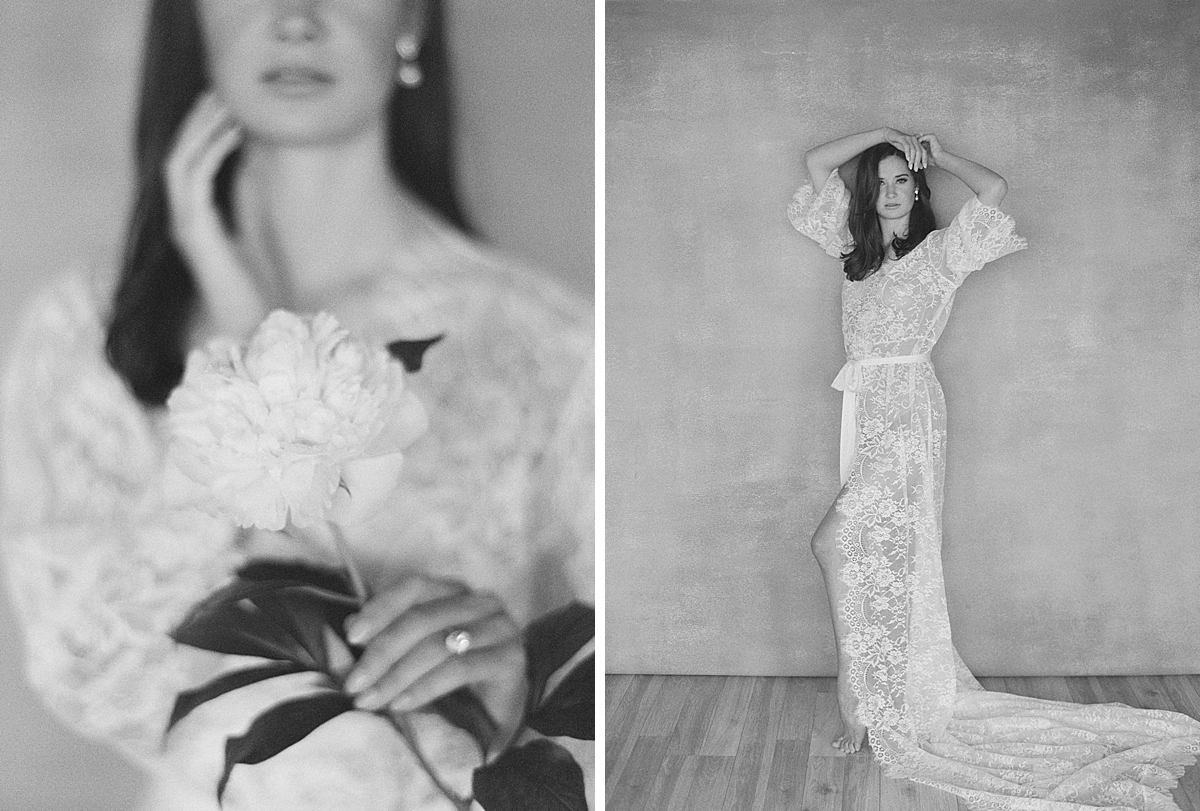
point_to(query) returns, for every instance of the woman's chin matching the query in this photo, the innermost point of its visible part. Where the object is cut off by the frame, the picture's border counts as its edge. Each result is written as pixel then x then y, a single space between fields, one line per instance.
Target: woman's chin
pixel 303 122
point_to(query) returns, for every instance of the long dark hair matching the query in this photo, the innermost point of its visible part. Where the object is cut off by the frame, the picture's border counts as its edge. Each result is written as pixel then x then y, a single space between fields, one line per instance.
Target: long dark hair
pixel 869 251
pixel 157 294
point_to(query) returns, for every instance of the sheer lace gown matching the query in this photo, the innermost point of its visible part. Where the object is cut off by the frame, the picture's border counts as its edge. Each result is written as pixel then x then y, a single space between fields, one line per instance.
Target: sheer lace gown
pixel 498 494
pixel 927 717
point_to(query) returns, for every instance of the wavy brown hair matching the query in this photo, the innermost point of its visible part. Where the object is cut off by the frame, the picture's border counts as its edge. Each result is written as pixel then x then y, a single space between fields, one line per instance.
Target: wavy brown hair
pixel 157 294
pixel 863 221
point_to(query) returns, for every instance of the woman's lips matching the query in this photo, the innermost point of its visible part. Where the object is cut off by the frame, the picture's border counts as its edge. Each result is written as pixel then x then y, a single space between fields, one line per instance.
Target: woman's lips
pixel 297 80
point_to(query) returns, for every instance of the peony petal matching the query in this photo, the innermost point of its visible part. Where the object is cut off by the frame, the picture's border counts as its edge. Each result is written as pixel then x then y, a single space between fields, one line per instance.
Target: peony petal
pixel 407 420
pixel 266 426
pixel 369 484
pixel 308 485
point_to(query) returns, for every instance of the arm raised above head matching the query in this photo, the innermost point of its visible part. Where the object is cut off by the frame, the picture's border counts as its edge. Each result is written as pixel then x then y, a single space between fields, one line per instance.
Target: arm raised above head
pixel 822 160
pixel 988 186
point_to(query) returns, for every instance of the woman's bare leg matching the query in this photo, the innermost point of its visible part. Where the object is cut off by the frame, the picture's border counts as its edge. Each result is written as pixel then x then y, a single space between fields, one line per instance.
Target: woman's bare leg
pixel 827 550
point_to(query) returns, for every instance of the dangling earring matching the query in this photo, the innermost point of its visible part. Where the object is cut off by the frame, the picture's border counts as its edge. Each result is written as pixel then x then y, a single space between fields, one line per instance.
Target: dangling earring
pixel 408 74
pixel 917 193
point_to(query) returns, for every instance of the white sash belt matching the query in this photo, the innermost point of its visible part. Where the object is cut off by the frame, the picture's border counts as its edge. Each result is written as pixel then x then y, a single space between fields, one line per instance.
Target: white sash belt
pixel 849 381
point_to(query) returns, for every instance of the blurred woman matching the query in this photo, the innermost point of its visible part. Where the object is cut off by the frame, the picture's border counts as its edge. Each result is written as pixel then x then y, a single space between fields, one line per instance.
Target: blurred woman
pixel 295 155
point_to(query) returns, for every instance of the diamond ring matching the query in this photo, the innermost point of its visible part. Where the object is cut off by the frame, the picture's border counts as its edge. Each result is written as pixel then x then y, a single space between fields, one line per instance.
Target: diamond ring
pixel 458 641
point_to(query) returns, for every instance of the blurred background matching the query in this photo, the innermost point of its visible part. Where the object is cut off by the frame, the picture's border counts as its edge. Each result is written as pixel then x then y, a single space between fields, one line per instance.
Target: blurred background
pixel 68 72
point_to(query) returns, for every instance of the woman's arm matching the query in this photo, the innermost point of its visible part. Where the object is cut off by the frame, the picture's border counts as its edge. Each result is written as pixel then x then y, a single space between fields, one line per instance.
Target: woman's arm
pixel 988 186
pixel 822 160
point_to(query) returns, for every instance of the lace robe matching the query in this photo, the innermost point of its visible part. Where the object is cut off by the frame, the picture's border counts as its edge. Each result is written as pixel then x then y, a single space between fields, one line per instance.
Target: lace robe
pixel 927 717
pixel 498 494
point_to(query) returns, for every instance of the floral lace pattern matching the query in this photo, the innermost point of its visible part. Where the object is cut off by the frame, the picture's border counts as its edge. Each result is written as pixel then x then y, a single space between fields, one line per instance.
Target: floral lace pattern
pixel 927 717
pixel 499 494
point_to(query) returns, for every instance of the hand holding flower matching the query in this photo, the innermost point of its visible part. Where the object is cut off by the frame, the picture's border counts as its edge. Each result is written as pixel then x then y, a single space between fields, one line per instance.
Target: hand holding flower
pixel 407 662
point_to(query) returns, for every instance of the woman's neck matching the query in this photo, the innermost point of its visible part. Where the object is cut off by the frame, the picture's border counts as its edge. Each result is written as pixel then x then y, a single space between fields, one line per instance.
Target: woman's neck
pixel 893 228
pixel 311 218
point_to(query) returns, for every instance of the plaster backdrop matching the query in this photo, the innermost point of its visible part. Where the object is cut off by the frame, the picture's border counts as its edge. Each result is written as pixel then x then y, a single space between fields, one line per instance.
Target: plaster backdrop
pixel 67 81
pixel 1071 369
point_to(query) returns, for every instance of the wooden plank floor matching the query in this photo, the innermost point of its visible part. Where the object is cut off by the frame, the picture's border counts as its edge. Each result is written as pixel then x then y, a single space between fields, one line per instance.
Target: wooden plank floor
pixel 742 743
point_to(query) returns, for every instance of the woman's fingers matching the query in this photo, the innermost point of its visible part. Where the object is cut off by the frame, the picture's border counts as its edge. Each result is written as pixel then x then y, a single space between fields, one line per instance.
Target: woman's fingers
pixel 478 667
pixel 912 151
pixel 205 139
pixel 407 630
pixel 381 610
pixel 430 655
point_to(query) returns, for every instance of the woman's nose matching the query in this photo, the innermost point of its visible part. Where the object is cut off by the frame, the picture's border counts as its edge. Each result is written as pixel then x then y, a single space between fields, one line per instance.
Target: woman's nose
pixel 298 21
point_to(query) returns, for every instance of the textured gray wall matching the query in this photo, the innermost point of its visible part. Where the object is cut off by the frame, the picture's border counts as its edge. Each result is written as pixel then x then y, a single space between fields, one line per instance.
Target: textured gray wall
pixel 67 76
pixel 1071 370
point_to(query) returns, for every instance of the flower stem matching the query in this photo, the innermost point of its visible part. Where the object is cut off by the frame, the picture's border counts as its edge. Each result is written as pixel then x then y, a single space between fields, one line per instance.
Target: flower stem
pixel 356 578
pixel 398 720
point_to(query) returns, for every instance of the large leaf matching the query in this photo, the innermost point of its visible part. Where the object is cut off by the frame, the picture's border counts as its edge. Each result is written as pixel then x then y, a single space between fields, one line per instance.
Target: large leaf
pixel 228 682
pixel 303 620
pixel 465 710
pixel 230 621
pixel 280 727
pixel 552 640
pixel 539 775
pixel 330 587
pixel 314 574
pixel 571 708
pixel 274 618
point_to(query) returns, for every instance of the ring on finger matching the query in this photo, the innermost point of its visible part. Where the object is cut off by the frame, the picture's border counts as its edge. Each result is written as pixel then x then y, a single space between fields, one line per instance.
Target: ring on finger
pixel 458 641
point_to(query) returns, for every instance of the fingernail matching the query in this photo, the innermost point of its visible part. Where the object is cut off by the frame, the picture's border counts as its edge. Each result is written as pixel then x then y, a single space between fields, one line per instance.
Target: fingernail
pixel 356 682
pixel 369 700
pixel 403 703
pixel 356 630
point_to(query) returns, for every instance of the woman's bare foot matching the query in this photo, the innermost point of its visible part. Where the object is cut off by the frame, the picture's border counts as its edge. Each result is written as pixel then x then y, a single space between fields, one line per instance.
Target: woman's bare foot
pixel 851 739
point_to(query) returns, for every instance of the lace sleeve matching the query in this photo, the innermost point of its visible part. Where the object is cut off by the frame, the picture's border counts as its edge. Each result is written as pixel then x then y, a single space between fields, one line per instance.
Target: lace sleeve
pixel 979 234
pixel 822 217
pixel 98 573
pixel 567 469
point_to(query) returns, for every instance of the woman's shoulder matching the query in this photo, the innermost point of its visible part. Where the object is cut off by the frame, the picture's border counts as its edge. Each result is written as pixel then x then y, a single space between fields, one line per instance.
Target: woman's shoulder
pixel 64 317
pixel 483 302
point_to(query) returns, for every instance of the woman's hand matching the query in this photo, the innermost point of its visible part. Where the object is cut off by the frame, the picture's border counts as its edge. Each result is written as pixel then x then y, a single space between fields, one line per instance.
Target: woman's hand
pixel 988 186
pixel 207 136
pixel 910 145
pixel 408 661
pixel 933 147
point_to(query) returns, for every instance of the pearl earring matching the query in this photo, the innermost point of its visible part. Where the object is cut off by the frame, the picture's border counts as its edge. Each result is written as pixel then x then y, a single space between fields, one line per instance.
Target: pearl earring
pixel 408 74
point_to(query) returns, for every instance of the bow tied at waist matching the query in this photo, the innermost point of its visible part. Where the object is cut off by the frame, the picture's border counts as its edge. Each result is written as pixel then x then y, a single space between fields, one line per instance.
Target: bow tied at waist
pixel 849 381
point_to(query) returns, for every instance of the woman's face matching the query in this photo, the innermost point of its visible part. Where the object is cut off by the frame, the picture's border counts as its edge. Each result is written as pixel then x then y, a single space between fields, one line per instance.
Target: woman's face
pixel 302 72
pixel 897 189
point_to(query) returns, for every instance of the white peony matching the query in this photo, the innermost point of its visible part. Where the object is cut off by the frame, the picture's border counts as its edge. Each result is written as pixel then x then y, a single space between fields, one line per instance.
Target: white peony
pixel 301 423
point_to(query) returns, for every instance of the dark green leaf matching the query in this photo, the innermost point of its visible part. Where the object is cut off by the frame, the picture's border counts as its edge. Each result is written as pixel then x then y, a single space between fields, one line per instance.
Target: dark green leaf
pixel 191 699
pixel 280 727
pixel 540 775
pixel 229 621
pixel 324 577
pixel 571 708
pixel 410 353
pixel 552 640
pixel 465 710
pixel 275 619
pixel 302 619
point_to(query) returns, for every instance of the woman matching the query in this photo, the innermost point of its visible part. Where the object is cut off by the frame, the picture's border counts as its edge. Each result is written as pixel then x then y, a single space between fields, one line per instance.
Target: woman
pixel 296 155
pixel 900 680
